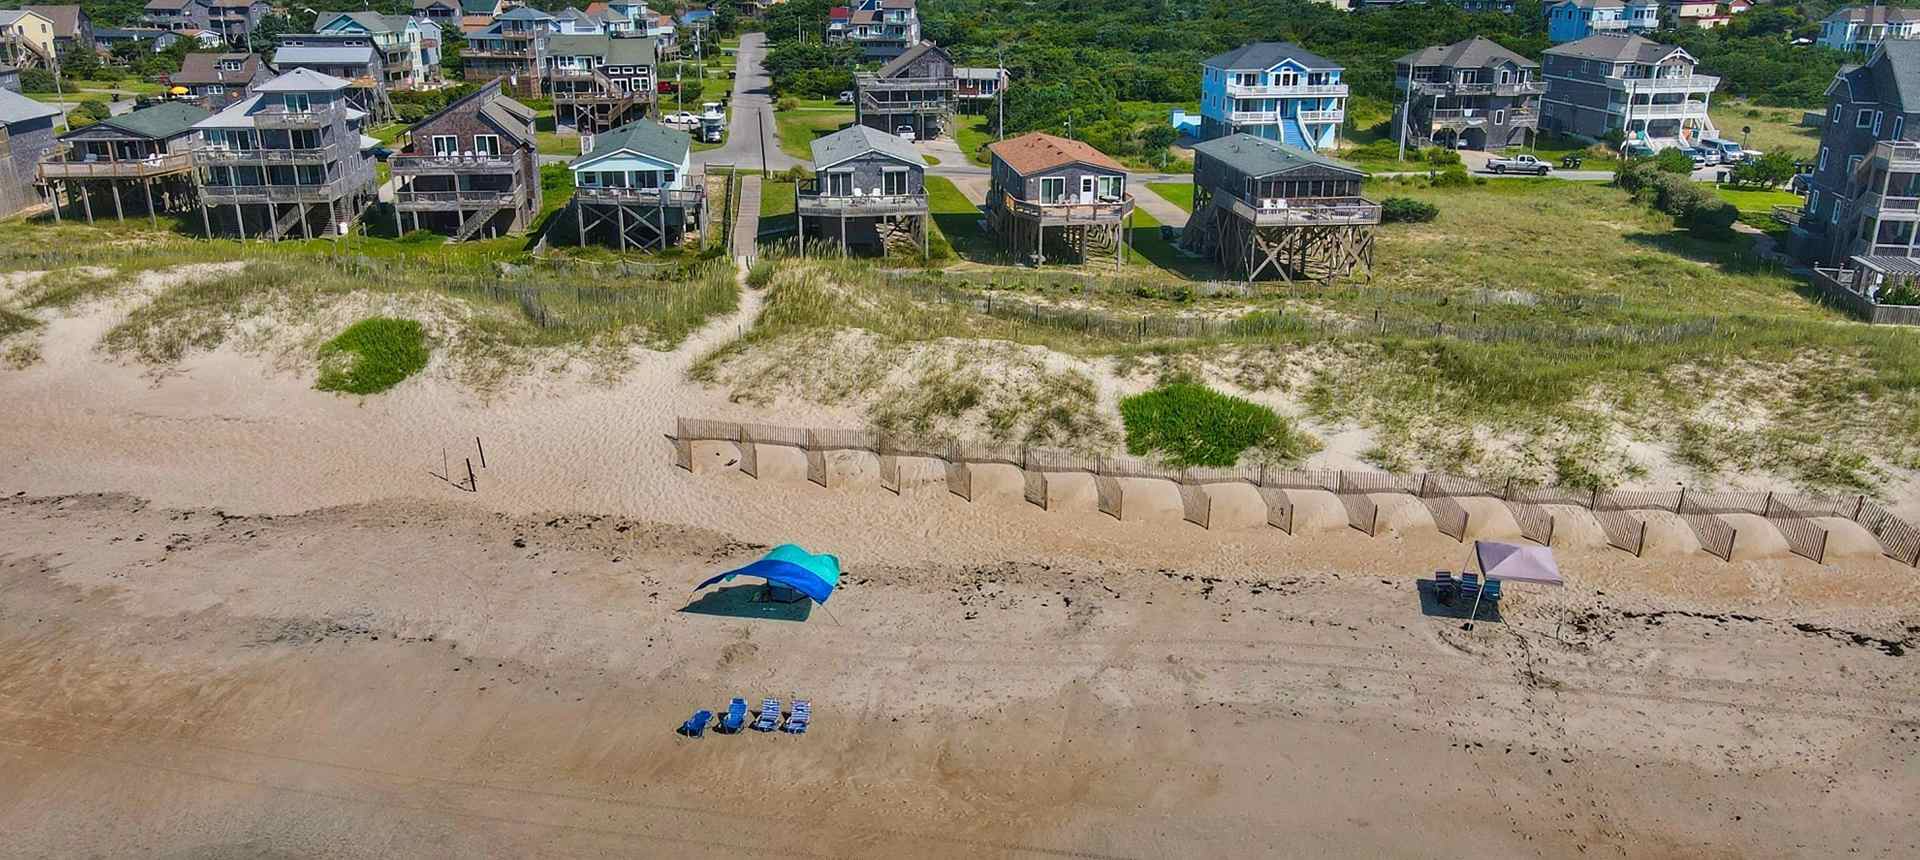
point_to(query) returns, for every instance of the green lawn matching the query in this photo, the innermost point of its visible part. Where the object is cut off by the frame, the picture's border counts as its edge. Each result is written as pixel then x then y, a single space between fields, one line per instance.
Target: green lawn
pixel 957 218
pixel 555 143
pixel 970 132
pixel 387 133
pixel 1773 129
pixel 1178 193
pixel 1756 207
pixel 799 128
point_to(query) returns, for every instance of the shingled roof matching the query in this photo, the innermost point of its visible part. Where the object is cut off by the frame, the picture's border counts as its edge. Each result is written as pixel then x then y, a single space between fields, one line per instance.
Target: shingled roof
pixel 1035 151
pixel 643 136
pixel 1266 55
pixel 1615 48
pixel 1478 52
pixel 164 120
pixel 1258 157
pixel 857 140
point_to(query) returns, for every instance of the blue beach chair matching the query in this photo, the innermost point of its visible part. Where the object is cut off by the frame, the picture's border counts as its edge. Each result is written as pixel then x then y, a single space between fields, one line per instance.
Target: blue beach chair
pixel 769 718
pixel 1443 586
pixel 736 717
pixel 1469 585
pixel 1491 593
pixel 797 721
pixel 696 725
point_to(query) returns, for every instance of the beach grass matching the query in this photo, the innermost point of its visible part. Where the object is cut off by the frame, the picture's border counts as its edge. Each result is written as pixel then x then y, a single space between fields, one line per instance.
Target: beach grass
pixel 1184 423
pixel 372 356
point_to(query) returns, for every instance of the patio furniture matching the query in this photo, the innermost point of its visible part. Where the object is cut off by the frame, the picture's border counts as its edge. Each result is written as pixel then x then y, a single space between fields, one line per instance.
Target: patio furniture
pixel 1443 586
pixel 736 717
pixel 696 725
pixel 797 721
pixel 769 718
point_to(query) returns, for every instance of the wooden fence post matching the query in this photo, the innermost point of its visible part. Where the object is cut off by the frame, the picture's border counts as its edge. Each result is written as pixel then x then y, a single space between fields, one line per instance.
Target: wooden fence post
pixel 1682 501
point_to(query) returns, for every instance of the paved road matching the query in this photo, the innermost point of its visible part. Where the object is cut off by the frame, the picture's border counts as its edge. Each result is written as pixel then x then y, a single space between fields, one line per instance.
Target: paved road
pixel 752 114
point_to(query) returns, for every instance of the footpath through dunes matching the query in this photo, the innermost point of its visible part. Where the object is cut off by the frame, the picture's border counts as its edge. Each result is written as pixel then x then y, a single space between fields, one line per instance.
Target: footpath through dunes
pixel 183 681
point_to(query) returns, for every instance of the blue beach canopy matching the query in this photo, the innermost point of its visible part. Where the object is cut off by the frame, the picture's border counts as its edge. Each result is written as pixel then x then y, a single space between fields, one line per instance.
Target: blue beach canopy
pixel 812 575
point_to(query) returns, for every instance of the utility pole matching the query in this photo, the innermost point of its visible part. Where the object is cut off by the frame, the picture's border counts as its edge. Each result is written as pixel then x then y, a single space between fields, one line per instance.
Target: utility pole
pixel 1406 107
pixel 1000 94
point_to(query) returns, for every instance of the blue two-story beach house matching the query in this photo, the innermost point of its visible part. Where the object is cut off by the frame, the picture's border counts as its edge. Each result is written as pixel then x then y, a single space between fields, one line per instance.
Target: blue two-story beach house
pixel 1571 20
pixel 1275 90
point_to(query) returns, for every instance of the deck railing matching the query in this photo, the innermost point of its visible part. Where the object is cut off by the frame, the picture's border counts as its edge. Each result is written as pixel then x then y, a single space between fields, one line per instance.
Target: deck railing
pixel 134 168
pixel 1071 211
pixel 674 197
pixel 438 199
pixel 451 163
pixel 218 155
pixel 812 200
pixel 1303 211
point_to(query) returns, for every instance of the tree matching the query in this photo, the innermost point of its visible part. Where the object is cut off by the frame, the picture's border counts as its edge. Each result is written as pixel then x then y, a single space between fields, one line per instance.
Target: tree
pixel 80 65
pixel 1673 161
pixel 1768 171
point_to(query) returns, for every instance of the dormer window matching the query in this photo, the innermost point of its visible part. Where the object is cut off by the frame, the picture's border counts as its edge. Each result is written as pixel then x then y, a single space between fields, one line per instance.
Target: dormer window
pixel 296 103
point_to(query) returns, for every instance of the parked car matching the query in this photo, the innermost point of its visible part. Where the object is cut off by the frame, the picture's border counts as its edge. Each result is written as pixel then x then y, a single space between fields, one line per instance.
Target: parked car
pixel 1729 152
pixel 681 117
pixel 1636 150
pixel 381 153
pixel 905 132
pixel 1519 164
pixel 846 97
pixel 1698 155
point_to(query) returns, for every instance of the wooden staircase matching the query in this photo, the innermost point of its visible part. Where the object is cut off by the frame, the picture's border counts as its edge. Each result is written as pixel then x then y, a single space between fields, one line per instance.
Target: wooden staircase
pixel 472 223
pixel 286 222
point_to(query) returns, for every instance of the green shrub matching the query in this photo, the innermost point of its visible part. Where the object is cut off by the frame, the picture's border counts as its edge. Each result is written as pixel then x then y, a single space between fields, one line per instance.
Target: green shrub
pixel 787 103
pixel 1673 161
pixel 36 81
pixel 372 356
pixel 1186 424
pixel 1455 176
pixel 1406 210
pixel 1442 155
pixel 796 173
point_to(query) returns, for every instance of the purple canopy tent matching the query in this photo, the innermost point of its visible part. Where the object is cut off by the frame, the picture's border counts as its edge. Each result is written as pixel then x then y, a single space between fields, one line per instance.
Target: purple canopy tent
pixel 1512 562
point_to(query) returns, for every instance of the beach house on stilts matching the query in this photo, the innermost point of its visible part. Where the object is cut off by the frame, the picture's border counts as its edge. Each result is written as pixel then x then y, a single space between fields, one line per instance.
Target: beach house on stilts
pixel 1262 209
pixel 869 189
pixel 632 189
pixel 1053 195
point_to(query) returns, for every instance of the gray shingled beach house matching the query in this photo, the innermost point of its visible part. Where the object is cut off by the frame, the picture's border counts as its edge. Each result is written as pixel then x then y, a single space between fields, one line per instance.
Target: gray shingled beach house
pixel 913 93
pixel 1261 208
pixel 471 170
pixel 1472 94
pixel 1052 194
pixel 141 160
pixel 869 191
pixel 291 156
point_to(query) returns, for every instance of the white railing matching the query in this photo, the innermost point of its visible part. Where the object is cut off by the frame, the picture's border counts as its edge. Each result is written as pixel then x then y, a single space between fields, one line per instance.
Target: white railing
pixel 1323 115
pixel 1253 116
pixel 1278 91
pixel 1685 109
pixel 1671 83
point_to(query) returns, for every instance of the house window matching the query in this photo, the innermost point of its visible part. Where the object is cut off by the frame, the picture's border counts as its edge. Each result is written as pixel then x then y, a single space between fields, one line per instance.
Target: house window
pixel 840 184
pixel 1853 162
pixel 487 144
pixel 1876 123
pixel 1053 189
pixel 445 145
pixel 296 103
pixel 894 182
pixel 1500 117
pixel 304 138
pixel 1823 158
pixel 1863 119
pixel 1834 217
pixel 1899 125
pixel 1813 203
pixel 1112 187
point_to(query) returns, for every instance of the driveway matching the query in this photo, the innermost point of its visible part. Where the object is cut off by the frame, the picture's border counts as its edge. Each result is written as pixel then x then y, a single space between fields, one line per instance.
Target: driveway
pixel 752 131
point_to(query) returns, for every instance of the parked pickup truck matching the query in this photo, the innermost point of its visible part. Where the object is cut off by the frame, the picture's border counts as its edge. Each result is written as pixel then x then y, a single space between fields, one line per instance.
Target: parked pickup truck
pixel 1519 164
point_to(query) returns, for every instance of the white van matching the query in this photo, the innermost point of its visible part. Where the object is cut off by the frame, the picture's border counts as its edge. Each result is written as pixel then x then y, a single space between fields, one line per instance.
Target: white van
pixel 1730 152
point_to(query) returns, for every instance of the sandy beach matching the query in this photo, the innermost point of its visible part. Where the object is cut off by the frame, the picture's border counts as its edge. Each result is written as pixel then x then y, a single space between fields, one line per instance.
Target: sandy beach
pixel 241 618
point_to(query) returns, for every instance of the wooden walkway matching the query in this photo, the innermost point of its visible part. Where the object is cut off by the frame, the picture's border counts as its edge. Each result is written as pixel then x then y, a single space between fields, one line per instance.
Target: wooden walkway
pixel 746 221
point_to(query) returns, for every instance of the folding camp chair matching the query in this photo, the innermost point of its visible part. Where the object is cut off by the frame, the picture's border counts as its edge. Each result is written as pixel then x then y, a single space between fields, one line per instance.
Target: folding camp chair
pixel 736 716
pixel 797 721
pixel 1491 592
pixel 697 725
pixel 1443 586
pixel 1469 584
pixel 769 716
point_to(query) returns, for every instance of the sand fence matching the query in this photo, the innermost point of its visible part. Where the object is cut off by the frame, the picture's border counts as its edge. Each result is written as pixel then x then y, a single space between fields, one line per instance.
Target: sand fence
pixel 1131 488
